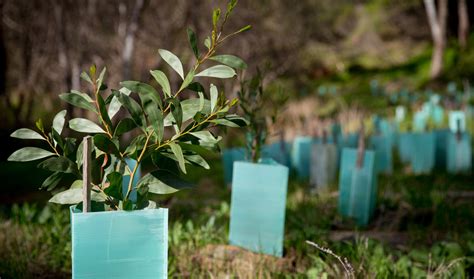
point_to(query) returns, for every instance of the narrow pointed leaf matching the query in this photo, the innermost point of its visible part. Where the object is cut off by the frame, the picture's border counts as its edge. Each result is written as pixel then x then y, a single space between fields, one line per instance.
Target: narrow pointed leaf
pixel 163 81
pixel 193 42
pixel 78 101
pixel 178 152
pixel 85 126
pixel 146 91
pixel 230 60
pixel 24 133
pixel 115 104
pixel 162 182
pixel 103 143
pixel 173 61
pixel 218 71
pixel 214 95
pixel 187 80
pixel 29 154
pixel 58 121
pixel 125 125
pixel 59 164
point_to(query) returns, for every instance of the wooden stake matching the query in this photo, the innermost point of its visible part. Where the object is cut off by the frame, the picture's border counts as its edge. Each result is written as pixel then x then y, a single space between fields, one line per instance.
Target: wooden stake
pixel 361 147
pixel 458 131
pixel 86 174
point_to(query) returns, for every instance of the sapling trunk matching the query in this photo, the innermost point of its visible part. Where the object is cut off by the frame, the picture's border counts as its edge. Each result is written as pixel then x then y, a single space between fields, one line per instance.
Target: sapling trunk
pixel 361 147
pixel 86 174
pixel 458 130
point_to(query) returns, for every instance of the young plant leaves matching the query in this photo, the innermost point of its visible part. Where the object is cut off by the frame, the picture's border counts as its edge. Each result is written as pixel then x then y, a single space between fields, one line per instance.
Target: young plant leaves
pixel 163 81
pixel 178 152
pixel 230 60
pixel 146 91
pixel 85 126
pixel 214 96
pixel 59 164
pixel 173 61
pixel 58 121
pixel 193 42
pixel 29 154
pixel 163 182
pixel 125 125
pixel 24 133
pixel 218 71
pixel 78 101
pixel 103 143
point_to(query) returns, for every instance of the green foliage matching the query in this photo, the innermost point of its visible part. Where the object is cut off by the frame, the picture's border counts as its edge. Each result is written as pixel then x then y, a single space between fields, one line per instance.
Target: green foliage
pixel 259 109
pixel 165 128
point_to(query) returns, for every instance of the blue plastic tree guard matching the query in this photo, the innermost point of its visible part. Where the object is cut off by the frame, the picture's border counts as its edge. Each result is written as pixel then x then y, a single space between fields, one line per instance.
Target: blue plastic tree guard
pixel 357 186
pixel 351 140
pixel 423 152
pixel 126 179
pixel 278 151
pixel 119 244
pixel 419 121
pixel 324 165
pixel 257 214
pixel 229 156
pixel 405 147
pixel 454 117
pixel 382 145
pixel 459 153
pixel 301 156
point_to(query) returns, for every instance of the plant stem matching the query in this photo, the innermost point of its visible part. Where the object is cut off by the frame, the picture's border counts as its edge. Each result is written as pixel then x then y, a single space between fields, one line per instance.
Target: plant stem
pixel 139 159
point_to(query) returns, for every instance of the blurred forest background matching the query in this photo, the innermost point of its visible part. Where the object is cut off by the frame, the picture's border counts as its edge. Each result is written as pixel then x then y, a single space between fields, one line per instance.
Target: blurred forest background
pixel 44 45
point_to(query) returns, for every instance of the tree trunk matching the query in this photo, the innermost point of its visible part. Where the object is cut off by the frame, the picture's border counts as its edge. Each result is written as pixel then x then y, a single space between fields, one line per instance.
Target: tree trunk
pixel 463 28
pixel 130 38
pixel 437 22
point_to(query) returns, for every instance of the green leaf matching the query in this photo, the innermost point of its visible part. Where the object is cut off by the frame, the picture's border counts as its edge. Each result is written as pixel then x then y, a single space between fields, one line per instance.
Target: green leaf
pixel 85 126
pixel 115 104
pixel 190 108
pixel 163 81
pixel 214 95
pixel 100 80
pixel 230 60
pixel 162 182
pixel 115 185
pixel 39 125
pixel 133 108
pixel 59 164
pixel 225 122
pixel 74 196
pixel 216 13
pixel 187 80
pixel 103 112
pixel 103 143
pixel 146 91
pixel 243 29
pixel 207 42
pixel 176 111
pixel 196 87
pixel 86 77
pixel 206 138
pixel 58 121
pixel 201 101
pixel 173 61
pixel 193 42
pixel 78 101
pixel 24 133
pixel 178 152
pixel 155 118
pixel 125 125
pixel 29 154
pixel 197 160
pixel 218 71
pixel 134 146
pixel 52 181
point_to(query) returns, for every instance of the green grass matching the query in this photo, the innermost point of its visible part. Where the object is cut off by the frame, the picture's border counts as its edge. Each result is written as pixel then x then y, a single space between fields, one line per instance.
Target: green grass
pixel 418 231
